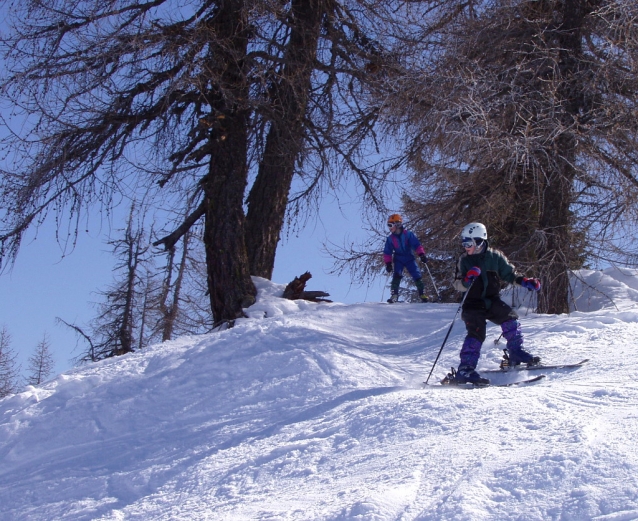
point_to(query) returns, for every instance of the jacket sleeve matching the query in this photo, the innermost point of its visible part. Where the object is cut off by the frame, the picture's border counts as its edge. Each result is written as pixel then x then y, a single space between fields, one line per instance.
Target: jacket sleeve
pixel 415 244
pixel 387 250
pixel 458 276
pixel 506 271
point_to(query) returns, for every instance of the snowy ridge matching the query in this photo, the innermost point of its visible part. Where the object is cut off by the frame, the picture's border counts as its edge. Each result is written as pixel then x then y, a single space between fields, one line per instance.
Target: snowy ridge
pixel 311 411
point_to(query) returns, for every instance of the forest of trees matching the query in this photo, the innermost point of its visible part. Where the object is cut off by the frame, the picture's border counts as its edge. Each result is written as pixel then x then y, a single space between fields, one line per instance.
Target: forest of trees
pixel 520 114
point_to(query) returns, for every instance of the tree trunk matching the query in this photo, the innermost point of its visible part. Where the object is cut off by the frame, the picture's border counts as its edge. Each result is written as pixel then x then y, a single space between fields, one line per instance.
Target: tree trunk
pixel 125 333
pixel 556 219
pixel 268 197
pixel 170 314
pixel 229 283
pixel 555 224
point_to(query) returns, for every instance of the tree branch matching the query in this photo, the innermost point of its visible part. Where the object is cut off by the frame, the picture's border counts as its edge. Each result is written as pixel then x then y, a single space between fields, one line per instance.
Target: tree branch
pixel 170 240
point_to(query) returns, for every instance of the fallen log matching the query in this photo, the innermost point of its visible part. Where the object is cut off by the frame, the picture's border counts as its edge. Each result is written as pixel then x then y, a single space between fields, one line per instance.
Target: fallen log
pixel 296 290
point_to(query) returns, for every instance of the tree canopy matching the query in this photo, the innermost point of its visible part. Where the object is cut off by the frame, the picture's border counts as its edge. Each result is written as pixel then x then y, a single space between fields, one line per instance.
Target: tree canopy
pixel 522 115
pixel 517 113
pixel 194 105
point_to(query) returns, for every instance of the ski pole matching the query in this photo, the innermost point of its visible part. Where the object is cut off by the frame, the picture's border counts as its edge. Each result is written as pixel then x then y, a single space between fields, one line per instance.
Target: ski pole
pixel 387 278
pixel 448 332
pixel 438 297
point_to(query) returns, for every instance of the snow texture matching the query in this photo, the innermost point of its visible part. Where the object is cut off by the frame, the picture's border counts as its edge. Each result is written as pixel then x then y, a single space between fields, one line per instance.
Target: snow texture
pixel 307 411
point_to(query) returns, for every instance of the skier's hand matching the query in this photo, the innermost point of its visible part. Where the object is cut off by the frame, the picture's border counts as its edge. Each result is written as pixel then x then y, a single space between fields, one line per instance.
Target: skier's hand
pixel 388 267
pixel 423 258
pixel 471 274
pixel 531 284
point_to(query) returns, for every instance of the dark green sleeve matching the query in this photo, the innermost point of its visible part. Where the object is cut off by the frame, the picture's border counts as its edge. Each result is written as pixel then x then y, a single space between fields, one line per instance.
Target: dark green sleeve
pixel 461 267
pixel 460 272
pixel 506 271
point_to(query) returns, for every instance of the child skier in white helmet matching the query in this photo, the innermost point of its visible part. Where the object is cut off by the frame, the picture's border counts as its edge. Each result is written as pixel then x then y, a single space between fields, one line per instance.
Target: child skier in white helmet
pixel 480 270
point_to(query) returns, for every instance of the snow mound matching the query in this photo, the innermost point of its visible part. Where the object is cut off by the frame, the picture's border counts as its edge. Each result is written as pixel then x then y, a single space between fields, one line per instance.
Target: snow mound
pixel 316 411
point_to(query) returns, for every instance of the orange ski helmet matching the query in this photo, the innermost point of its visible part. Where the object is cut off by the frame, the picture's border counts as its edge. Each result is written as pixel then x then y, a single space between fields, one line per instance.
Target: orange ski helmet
pixel 395 218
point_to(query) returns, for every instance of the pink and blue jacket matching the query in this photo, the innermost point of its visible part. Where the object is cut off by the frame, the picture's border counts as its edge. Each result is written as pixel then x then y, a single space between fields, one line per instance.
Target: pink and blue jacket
pixel 402 246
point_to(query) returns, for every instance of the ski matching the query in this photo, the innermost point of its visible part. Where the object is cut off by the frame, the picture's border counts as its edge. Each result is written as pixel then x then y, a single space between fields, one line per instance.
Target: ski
pixel 537 367
pixel 495 384
pixel 519 382
pixel 491 384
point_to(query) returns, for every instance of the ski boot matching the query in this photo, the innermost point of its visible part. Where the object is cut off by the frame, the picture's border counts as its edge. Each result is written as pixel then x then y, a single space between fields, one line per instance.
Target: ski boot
pixel 513 358
pixel 394 297
pixel 465 375
pixel 424 298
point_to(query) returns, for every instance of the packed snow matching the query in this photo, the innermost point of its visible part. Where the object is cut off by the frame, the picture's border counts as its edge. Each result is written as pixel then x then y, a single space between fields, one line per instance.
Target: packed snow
pixel 316 411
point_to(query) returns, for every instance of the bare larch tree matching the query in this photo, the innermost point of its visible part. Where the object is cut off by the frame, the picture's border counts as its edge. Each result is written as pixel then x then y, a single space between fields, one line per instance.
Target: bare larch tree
pixel 181 102
pixel 40 363
pixel 9 368
pixel 522 115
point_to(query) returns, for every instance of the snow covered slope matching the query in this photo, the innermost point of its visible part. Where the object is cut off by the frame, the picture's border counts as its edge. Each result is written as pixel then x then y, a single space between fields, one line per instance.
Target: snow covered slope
pixel 316 412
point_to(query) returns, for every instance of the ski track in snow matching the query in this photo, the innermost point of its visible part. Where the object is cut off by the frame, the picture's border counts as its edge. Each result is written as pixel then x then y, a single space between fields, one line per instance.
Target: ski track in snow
pixel 317 412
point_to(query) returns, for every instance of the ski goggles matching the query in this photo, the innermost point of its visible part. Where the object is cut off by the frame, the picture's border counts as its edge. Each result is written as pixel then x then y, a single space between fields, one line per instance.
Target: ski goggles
pixel 468 242
pixel 392 225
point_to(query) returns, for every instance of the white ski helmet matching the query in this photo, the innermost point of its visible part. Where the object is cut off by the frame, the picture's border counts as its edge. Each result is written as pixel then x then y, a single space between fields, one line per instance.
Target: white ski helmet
pixel 474 231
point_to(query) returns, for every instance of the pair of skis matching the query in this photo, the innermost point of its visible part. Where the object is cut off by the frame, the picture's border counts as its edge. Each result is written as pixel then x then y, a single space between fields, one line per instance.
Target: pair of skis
pixel 532 379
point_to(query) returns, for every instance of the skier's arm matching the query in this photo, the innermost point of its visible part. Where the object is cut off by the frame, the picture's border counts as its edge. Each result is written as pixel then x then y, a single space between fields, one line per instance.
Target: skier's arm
pixel 459 275
pixel 387 251
pixel 506 271
pixel 414 243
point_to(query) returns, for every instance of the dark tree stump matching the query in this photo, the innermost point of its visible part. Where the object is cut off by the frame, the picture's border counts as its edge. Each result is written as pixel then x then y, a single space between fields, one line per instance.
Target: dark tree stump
pixel 296 290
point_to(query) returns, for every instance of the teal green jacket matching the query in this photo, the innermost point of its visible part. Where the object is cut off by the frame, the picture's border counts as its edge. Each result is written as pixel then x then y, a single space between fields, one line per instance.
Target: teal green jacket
pixel 494 268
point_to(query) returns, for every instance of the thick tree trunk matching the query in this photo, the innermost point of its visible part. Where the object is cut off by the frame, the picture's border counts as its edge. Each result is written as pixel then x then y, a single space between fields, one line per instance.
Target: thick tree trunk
pixel 556 220
pixel 229 283
pixel 555 224
pixel 268 197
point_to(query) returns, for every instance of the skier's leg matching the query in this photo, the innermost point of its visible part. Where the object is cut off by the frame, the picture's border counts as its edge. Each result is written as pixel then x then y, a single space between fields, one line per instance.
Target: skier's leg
pixel 475 324
pixel 504 315
pixel 414 271
pixel 471 349
pixel 396 282
pixel 470 352
pixel 420 287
